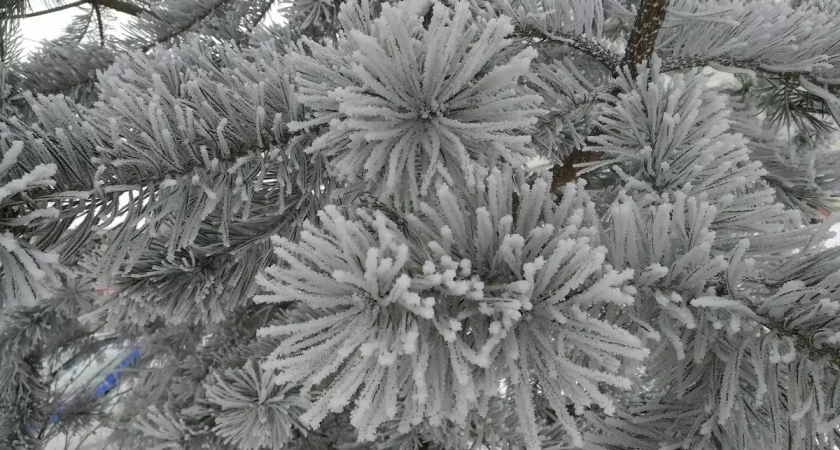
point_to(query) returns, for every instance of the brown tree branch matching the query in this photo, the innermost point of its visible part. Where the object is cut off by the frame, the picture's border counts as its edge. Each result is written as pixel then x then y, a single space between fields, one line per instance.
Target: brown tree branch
pixel 642 39
pixel 99 22
pixel 640 48
pixel 567 172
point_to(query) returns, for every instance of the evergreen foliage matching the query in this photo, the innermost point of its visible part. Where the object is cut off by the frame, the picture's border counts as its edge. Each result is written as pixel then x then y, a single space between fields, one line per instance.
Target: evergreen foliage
pixel 422 224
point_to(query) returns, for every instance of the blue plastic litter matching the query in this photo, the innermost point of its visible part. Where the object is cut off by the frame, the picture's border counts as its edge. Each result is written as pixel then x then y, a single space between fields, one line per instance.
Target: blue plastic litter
pixel 110 381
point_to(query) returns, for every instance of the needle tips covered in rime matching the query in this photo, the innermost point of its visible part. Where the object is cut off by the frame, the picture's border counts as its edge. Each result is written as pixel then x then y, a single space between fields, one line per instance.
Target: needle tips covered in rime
pixel 466 298
pixel 403 106
pixel 422 224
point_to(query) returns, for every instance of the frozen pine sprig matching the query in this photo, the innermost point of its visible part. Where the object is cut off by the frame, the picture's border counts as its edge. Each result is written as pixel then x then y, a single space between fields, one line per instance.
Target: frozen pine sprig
pixel 776 38
pixel 164 429
pixel 405 105
pixel 673 131
pixel 253 412
pixel 544 276
pixel 496 425
pixel 578 24
pixel 25 333
pixel 804 177
pixel 214 283
pixel 707 321
pixel 375 331
pixel 566 93
pixel 583 20
pixel 319 14
pixel 27 273
pixel 808 310
pixel 193 137
pixel 190 163
pixel 668 134
pixel 480 290
pixel 679 270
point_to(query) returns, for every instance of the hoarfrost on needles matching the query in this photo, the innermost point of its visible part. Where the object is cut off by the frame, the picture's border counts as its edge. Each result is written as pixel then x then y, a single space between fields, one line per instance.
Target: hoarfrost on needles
pixel 472 294
pixel 402 106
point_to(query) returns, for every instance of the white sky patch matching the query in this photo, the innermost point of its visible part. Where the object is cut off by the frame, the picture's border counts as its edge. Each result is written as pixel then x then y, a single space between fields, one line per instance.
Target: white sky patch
pixel 52 25
pixel 834 241
pixel 48 26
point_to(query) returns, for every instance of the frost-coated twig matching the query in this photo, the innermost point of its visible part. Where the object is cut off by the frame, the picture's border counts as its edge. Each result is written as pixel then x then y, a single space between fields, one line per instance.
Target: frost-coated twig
pixel 683 63
pixel 803 343
pixel 580 43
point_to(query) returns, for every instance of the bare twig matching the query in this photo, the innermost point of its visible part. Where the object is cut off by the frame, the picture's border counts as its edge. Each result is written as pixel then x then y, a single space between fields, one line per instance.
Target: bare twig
pixel 116 5
pixel 755 66
pixel 99 23
pixel 123 7
pixel 51 10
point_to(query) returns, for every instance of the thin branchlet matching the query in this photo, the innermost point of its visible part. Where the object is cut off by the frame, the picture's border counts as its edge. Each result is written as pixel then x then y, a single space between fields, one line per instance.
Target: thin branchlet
pixel 422 290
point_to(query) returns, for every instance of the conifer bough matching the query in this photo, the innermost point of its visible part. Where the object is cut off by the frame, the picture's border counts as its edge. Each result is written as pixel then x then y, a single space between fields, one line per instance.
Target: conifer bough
pixel 335 232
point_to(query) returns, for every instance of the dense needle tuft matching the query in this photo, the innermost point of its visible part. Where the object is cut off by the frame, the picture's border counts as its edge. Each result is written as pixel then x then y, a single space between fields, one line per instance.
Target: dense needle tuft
pixel 473 293
pixel 403 105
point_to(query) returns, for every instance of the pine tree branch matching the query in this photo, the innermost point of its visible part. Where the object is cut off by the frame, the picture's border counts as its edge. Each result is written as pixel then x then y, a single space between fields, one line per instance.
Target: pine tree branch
pixel 803 343
pixel 116 5
pixel 640 48
pixel 50 10
pixel 673 64
pixel 184 28
pixel 128 8
pixel 99 22
pixel 642 39
pixel 123 7
pixel 580 43
pixel 63 89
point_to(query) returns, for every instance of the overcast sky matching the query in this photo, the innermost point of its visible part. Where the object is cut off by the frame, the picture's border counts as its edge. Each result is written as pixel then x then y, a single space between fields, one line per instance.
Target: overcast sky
pixel 48 26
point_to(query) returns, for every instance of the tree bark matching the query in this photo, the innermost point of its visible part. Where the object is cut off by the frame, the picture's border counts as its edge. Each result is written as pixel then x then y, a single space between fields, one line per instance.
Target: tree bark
pixel 645 30
pixel 640 48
